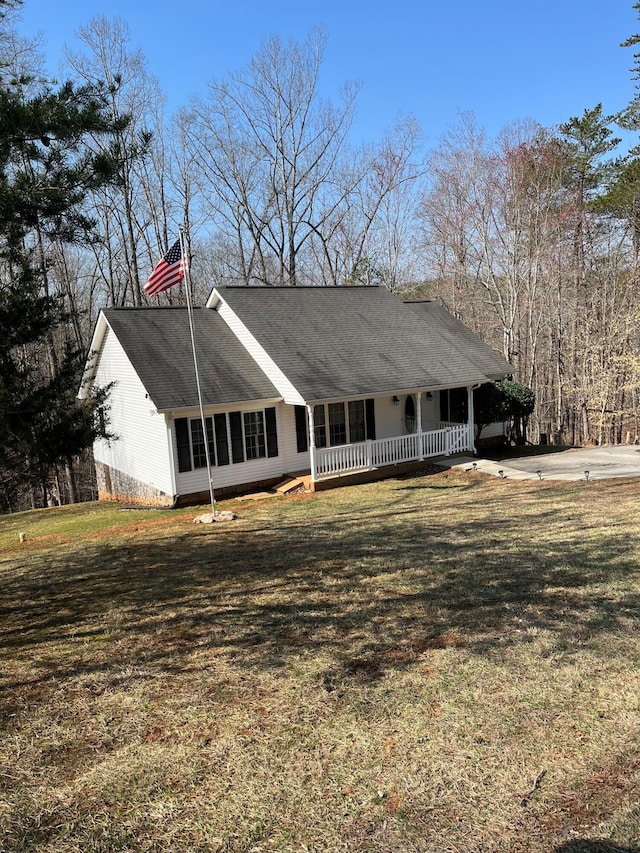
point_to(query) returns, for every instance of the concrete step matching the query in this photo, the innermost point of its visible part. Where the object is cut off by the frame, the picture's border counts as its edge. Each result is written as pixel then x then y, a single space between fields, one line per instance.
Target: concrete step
pixel 293 484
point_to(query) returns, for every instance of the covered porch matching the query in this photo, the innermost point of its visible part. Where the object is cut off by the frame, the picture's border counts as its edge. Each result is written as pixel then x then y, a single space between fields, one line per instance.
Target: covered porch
pixel 409 430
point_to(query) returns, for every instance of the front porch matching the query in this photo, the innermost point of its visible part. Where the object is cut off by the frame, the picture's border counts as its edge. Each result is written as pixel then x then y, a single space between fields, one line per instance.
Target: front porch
pixel 444 440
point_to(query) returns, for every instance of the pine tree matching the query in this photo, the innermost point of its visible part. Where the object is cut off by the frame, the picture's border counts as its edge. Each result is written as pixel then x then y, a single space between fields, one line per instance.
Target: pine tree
pixel 46 168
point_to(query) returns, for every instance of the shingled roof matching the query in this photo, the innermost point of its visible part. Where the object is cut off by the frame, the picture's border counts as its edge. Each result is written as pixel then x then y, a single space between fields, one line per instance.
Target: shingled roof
pixel 158 344
pixel 460 336
pixel 329 342
pixel 356 341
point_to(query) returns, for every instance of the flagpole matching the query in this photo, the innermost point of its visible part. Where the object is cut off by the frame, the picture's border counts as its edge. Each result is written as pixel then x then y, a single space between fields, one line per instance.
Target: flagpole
pixel 187 281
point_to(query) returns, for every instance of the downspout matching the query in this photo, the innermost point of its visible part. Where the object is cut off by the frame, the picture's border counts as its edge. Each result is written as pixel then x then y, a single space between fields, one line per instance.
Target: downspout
pixel 419 424
pixel 172 466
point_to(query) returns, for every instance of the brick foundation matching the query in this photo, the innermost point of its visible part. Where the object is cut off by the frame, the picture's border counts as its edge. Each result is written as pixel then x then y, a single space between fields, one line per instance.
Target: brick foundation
pixel 114 485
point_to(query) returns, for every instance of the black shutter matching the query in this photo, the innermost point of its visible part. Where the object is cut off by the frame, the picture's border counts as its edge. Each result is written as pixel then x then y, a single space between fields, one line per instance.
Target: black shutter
pixel 272 432
pixel 301 429
pixel 370 417
pixel 444 406
pixel 222 442
pixel 182 444
pixel 237 445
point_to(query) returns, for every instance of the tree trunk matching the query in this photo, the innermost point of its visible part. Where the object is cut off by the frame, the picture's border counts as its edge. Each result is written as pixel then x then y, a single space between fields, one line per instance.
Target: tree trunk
pixel 71 481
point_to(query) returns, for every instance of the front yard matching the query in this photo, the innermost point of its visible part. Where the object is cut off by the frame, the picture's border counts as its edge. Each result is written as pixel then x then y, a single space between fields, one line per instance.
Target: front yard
pixel 439 663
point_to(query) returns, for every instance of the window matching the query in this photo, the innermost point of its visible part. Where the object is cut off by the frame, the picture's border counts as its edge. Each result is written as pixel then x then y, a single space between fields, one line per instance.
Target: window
pixel 357 423
pixel 347 423
pixel 254 436
pixel 232 437
pixel 454 406
pixel 319 426
pixel 337 424
pixel 197 443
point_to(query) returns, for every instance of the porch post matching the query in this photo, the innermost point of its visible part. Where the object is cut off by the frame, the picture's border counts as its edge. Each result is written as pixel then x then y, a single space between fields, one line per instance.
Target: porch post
pixel 470 420
pixel 419 424
pixel 312 444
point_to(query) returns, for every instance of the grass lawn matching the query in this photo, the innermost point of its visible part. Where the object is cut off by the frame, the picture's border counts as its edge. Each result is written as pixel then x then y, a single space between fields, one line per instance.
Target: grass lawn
pixel 439 663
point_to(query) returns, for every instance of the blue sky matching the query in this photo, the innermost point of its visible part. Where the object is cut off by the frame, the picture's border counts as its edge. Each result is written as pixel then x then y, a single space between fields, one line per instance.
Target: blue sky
pixel 503 60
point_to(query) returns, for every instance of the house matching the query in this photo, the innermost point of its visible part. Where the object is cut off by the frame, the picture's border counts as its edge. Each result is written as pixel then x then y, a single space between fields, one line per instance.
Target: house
pixel 328 381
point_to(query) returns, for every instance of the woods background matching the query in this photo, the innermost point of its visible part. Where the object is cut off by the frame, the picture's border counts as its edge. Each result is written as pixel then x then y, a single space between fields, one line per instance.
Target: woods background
pixel 531 238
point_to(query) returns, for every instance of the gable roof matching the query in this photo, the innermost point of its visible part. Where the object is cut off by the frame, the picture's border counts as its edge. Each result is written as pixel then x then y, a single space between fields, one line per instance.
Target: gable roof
pixel 435 315
pixel 329 343
pixel 338 342
pixel 158 343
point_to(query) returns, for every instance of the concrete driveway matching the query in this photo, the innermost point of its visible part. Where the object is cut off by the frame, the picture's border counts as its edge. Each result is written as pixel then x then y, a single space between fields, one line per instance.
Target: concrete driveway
pixel 602 463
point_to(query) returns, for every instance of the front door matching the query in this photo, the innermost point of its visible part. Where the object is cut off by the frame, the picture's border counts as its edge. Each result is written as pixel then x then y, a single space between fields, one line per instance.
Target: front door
pixel 410 414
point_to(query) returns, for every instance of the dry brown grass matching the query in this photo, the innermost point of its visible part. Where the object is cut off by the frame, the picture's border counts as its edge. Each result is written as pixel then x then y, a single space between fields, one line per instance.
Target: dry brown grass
pixel 387 667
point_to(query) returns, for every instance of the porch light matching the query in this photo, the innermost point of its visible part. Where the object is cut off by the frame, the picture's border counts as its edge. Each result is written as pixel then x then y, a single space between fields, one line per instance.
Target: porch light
pixel 395 400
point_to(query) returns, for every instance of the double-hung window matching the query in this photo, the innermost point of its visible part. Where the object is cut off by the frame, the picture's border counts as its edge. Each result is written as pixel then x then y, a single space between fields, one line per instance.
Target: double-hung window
pixel 197 443
pixel 337 424
pixel 319 426
pixel 254 435
pixel 357 421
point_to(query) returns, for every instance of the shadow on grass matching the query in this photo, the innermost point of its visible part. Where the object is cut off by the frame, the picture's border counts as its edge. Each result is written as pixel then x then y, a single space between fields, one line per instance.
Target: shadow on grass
pixel 593 846
pixel 518 451
pixel 374 589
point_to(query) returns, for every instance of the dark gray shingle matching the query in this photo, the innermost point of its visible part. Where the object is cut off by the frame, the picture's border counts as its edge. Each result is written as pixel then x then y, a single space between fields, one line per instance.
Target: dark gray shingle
pixel 436 316
pixel 158 343
pixel 356 341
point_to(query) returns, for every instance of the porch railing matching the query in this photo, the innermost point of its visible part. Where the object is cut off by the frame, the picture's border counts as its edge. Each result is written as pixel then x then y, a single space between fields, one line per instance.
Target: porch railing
pixel 366 455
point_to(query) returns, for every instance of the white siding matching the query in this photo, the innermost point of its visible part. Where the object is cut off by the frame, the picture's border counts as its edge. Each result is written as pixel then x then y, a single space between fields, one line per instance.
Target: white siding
pixel 388 417
pixel 293 460
pixel 492 431
pixel 430 412
pixel 141 449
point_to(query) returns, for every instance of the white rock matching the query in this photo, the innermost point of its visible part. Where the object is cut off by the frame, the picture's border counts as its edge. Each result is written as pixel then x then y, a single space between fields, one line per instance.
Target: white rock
pixel 208 518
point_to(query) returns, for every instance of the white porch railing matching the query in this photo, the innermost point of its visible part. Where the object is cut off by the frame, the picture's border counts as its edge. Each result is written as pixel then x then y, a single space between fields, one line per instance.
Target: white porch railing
pixel 366 455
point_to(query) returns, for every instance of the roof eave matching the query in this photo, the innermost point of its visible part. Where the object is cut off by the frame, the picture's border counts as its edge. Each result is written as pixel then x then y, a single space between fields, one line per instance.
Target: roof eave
pixel 91 363
pixel 234 404
pixel 423 389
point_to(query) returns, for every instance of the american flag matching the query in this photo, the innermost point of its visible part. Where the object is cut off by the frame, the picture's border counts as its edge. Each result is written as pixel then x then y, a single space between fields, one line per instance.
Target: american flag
pixel 169 271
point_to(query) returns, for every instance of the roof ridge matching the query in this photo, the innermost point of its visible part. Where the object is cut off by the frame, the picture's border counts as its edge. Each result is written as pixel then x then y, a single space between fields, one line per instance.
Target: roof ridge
pixel 150 307
pixel 299 287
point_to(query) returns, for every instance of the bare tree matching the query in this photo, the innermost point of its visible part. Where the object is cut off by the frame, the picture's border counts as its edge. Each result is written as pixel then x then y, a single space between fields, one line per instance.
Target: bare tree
pixel 134 214
pixel 368 237
pixel 266 145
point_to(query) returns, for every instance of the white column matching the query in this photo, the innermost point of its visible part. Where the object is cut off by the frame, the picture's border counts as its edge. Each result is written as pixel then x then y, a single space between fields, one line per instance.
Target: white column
pixel 312 444
pixel 419 424
pixel 470 418
pixel 168 419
